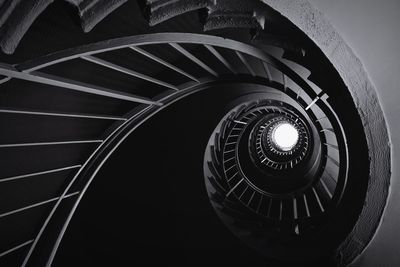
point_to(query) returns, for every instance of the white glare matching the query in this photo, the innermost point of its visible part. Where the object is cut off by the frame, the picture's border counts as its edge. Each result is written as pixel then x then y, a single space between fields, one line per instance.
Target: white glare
pixel 285 136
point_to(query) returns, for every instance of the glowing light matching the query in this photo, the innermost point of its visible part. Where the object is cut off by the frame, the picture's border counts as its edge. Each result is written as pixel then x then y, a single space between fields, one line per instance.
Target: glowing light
pixel 285 136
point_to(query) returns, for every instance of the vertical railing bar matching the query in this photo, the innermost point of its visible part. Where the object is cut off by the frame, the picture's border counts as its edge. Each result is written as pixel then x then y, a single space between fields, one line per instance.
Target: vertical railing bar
pixel 245 62
pixel 35 205
pixel 50 143
pixel 194 59
pixel 127 71
pixel 220 57
pixel 6 79
pixel 48 79
pixel 163 62
pixel 22 176
pixel 267 70
pixel 48 218
pixel 15 248
pixel 58 114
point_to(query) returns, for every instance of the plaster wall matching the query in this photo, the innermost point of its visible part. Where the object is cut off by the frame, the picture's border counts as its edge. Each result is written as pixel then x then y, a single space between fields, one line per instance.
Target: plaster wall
pixel 371 29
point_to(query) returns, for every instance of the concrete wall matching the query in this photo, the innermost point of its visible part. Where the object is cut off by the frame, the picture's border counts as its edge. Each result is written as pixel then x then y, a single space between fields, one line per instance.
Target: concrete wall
pixel 372 30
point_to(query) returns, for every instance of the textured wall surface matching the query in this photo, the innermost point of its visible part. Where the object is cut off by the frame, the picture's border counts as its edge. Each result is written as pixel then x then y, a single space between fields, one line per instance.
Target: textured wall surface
pixel 17 16
pixel 371 28
pixel 314 24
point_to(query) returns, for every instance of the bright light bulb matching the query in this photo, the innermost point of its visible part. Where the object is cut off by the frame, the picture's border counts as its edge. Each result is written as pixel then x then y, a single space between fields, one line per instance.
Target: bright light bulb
pixel 285 136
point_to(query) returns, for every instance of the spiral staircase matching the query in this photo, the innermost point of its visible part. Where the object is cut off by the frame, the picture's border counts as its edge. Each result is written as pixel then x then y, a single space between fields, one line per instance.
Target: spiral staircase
pixel 67 114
